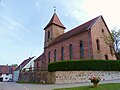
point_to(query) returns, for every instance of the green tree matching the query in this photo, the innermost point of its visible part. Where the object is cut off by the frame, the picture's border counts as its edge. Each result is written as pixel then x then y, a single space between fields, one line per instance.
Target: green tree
pixel 15 65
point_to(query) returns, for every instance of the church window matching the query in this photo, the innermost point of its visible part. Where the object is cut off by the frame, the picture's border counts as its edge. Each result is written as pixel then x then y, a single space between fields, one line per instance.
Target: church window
pixel 102 30
pixel 55 55
pixel 48 34
pixel 49 57
pixel 81 50
pixel 62 53
pixel 37 65
pixel 98 44
pixel 71 52
pixel 106 57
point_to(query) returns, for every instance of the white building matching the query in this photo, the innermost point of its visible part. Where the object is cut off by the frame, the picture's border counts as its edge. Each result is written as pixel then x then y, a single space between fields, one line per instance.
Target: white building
pixel 6 73
pixel 26 64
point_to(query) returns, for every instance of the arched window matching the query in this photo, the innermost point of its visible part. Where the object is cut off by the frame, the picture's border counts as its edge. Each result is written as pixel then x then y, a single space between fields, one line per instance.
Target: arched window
pixel 55 55
pixel 37 65
pixel 49 57
pixel 48 34
pixel 81 50
pixel 106 57
pixel 70 51
pixel 62 53
pixel 98 44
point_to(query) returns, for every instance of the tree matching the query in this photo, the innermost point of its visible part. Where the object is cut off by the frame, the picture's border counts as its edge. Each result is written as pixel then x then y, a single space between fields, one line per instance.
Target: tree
pixel 116 37
pixel 15 65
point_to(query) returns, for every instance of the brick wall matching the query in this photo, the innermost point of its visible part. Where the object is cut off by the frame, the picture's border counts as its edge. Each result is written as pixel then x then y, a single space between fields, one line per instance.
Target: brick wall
pixel 97 32
pixel 75 41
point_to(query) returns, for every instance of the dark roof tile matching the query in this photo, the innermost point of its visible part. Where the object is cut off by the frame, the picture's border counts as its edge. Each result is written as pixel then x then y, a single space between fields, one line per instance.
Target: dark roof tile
pixel 5 69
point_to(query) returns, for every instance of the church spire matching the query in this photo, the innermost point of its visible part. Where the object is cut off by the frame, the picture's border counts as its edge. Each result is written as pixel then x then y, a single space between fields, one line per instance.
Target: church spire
pixel 55 20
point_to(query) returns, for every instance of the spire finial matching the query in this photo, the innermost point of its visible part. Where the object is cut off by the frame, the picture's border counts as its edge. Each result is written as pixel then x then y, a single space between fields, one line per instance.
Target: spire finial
pixel 54 9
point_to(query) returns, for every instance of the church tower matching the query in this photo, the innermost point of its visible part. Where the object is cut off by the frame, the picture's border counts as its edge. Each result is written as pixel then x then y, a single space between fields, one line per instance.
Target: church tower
pixel 53 29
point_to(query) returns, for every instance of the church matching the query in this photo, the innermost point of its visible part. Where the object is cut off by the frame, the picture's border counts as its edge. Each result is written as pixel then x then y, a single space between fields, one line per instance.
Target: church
pixel 82 42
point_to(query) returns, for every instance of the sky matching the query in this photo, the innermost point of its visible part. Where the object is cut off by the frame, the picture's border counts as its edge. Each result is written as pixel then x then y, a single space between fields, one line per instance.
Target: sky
pixel 22 23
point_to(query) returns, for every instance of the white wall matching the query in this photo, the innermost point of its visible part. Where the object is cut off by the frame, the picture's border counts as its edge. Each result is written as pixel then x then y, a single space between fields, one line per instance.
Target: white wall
pixel 31 63
pixel 16 75
pixel 6 77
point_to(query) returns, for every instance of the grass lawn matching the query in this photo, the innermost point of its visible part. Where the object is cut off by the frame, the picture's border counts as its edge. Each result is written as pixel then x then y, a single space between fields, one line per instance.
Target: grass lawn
pixel 112 86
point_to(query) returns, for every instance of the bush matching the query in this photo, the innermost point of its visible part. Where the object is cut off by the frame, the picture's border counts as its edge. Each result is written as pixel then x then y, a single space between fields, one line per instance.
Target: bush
pixel 96 65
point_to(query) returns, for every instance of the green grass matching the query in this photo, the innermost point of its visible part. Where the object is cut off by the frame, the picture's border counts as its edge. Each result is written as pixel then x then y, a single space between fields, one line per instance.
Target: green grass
pixel 112 86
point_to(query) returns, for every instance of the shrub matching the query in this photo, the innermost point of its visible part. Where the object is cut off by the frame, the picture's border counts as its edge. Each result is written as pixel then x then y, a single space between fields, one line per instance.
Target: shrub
pixel 96 65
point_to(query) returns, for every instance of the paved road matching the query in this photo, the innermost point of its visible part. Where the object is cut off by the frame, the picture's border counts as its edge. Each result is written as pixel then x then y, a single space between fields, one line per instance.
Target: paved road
pixel 15 86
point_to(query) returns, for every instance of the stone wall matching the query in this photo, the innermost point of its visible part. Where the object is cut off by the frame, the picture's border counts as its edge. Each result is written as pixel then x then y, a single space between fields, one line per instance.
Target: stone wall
pixel 33 77
pixel 83 76
pixel 61 77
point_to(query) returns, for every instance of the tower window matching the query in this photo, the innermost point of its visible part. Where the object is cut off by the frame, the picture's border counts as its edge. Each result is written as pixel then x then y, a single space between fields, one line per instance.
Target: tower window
pixel 71 52
pixel 106 57
pixel 55 55
pixel 49 57
pixel 81 50
pixel 98 44
pixel 62 53
pixel 48 34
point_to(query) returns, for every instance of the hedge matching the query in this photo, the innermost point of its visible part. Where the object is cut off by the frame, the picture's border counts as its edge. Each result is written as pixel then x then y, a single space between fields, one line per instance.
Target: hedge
pixel 94 65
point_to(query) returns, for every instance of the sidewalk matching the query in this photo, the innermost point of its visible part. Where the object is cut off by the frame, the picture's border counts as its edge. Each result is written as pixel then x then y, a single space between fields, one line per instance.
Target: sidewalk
pixel 53 86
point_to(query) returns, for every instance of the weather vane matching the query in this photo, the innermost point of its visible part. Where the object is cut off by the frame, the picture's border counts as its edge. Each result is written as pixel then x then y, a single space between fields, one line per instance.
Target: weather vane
pixel 54 9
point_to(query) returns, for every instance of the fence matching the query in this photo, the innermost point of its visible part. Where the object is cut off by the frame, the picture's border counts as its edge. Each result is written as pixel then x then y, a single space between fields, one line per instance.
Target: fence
pixel 33 69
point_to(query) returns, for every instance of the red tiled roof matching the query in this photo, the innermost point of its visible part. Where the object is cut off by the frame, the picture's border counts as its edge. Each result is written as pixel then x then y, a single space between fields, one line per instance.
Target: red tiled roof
pixel 25 62
pixel 75 31
pixel 55 20
pixel 5 69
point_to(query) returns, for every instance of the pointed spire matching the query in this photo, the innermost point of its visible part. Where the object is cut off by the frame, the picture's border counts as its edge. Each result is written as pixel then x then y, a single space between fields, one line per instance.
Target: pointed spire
pixel 55 20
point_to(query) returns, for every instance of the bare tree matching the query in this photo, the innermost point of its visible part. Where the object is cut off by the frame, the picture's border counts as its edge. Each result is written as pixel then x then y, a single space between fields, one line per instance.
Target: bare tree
pixel 113 40
pixel 116 37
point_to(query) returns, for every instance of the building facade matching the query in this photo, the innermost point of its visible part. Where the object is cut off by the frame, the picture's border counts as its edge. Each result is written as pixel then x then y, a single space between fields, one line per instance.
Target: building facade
pixel 25 66
pixel 6 72
pixel 83 42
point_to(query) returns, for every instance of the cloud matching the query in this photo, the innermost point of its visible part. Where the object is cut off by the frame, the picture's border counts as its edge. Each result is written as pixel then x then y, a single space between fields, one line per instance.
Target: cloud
pixel 10 25
pixel 107 8
pixel 83 10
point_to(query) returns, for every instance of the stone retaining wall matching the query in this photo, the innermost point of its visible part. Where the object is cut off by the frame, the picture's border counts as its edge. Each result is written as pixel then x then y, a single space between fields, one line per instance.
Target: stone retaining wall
pixel 61 77
pixel 34 77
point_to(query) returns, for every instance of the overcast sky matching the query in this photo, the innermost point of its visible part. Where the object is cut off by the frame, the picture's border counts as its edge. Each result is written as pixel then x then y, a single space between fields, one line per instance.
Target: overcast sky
pixel 22 23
